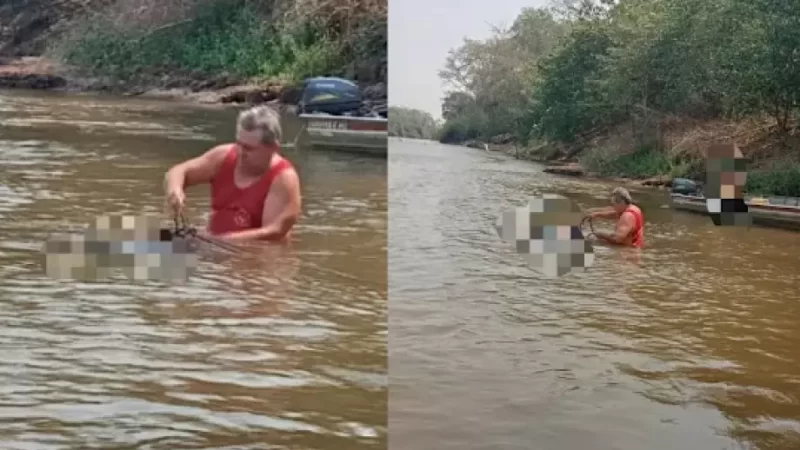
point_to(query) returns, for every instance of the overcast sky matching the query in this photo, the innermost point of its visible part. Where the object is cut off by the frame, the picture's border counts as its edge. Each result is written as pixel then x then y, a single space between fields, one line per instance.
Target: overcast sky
pixel 422 31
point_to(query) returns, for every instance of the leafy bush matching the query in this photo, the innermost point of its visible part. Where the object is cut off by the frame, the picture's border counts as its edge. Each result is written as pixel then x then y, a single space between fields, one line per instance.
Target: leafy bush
pixel 221 37
pixel 785 182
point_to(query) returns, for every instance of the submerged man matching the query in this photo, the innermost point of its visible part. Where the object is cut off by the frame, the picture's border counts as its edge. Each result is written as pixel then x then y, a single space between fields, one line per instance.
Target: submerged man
pixel 255 192
pixel 629 231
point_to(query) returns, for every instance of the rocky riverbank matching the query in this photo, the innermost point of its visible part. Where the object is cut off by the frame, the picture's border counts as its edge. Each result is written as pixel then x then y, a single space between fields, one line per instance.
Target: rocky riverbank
pixel 40 73
pixel 574 169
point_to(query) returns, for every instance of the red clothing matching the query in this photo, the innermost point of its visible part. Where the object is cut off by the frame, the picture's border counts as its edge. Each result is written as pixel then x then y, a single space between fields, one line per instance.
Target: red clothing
pixel 235 209
pixel 638 229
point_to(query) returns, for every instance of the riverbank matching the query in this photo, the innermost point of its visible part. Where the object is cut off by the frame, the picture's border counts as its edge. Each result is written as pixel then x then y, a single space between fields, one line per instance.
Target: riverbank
pixel 668 150
pixel 557 167
pixel 209 51
pixel 41 73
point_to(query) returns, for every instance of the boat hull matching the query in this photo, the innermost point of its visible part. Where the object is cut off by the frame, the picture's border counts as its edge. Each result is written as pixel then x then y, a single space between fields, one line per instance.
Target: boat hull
pixel 772 214
pixel 365 135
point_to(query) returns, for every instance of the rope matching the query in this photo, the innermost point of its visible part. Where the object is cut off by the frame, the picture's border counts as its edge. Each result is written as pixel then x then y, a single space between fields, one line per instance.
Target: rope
pixel 185 231
pixel 588 219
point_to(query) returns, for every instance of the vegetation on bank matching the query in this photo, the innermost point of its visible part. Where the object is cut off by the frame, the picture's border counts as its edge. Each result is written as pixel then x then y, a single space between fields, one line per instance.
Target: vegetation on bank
pixel 412 123
pixel 630 87
pixel 283 40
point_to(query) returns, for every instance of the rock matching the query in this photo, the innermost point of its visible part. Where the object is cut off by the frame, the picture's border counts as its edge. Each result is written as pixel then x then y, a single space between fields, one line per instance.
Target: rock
pixel 250 94
pixel 473 143
pixel 569 169
pixel 663 180
pixel 30 73
pixel 31 81
pixel 502 139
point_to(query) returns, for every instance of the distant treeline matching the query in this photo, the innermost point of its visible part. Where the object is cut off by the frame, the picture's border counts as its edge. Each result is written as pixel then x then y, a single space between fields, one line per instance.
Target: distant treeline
pixel 412 123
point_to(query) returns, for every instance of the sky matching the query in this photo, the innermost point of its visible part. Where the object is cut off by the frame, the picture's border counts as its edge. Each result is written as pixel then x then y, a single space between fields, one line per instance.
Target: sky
pixel 421 32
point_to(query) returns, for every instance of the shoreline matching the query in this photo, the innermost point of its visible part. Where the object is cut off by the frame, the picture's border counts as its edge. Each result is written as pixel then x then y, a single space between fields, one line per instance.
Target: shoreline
pixel 41 74
pixel 568 168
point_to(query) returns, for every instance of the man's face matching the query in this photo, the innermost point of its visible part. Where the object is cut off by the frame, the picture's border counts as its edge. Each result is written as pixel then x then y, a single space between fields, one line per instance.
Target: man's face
pixel 254 153
pixel 619 207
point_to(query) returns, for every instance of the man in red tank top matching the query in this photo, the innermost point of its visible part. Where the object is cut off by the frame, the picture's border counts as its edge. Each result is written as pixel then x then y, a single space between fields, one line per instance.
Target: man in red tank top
pixel 630 220
pixel 255 192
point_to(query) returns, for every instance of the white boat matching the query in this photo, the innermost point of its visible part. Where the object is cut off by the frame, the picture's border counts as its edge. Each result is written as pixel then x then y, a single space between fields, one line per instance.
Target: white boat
pixel 778 212
pixel 367 135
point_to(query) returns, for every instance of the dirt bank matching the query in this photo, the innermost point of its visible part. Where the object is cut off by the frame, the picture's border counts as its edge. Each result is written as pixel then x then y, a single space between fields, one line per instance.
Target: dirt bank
pixel 36 72
pixel 678 150
pixel 572 169
pixel 33 34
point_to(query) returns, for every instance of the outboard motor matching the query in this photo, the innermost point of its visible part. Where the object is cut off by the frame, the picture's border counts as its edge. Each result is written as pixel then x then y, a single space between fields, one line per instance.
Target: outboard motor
pixel 685 186
pixel 330 95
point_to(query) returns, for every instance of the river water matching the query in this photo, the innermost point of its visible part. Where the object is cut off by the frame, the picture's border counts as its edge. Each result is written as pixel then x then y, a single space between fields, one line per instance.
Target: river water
pixel 277 348
pixel 694 347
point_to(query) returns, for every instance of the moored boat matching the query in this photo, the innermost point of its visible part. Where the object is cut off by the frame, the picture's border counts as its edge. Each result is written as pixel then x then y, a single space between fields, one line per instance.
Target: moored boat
pixel 774 211
pixel 337 118
pixel 359 134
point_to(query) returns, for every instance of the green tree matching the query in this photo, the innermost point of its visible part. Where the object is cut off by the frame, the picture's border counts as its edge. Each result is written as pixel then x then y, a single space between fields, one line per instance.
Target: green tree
pixel 496 75
pixel 568 73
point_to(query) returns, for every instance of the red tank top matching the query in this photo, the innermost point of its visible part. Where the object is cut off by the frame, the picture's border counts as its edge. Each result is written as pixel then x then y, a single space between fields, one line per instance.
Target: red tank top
pixel 638 230
pixel 234 209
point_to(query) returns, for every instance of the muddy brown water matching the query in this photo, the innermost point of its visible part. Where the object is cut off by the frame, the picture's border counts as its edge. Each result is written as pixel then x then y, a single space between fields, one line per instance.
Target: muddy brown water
pixel 695 347
pixel 278 348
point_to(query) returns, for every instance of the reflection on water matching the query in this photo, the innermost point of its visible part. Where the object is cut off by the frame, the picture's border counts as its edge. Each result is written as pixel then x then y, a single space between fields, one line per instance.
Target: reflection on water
pixel 695 347
pixel 279 345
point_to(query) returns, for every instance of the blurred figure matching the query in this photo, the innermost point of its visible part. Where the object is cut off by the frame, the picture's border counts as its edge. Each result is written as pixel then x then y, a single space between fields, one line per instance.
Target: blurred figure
pixel 726 176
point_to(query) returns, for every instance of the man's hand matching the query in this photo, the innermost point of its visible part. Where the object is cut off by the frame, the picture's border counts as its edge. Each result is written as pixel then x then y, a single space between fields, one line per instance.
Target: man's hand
pixel 622 234
pixel 176 199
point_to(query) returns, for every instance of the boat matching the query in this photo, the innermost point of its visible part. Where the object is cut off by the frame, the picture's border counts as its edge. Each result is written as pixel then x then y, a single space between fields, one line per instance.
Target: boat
pixel 335 117
pixel 774 211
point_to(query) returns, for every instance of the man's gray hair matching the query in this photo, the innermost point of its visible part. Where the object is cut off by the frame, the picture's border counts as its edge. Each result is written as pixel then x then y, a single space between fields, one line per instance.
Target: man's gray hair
pixel 262 118
pixel 621 195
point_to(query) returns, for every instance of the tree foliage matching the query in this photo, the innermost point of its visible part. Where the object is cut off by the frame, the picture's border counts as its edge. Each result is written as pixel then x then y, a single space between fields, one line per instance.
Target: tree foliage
pixel 141 40
pixel 559 73
pixel 490 80
pixel 411 123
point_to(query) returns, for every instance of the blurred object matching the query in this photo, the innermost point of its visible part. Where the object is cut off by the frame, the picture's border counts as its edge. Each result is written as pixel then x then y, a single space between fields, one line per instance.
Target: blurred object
pixel 548 234
pixel 135 246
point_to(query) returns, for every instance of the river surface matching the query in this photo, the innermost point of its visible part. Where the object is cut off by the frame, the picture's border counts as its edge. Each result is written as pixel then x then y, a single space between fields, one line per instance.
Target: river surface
pixel 696 347
pixel 273 349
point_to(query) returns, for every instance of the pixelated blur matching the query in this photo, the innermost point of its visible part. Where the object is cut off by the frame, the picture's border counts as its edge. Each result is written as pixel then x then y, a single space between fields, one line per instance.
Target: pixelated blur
pixel 547 233
pixel 726 176
pixel 135 246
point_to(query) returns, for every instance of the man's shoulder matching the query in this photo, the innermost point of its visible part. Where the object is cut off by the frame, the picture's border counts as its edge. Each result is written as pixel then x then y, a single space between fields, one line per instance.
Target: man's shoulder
pixel 628 216
pixel 218 153
pixel 287 177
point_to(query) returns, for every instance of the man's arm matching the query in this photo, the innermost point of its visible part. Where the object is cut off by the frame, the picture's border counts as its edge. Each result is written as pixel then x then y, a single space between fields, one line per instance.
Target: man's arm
pixel 603 213
pixel 281 210
pixel 201 169
pixel 623 231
